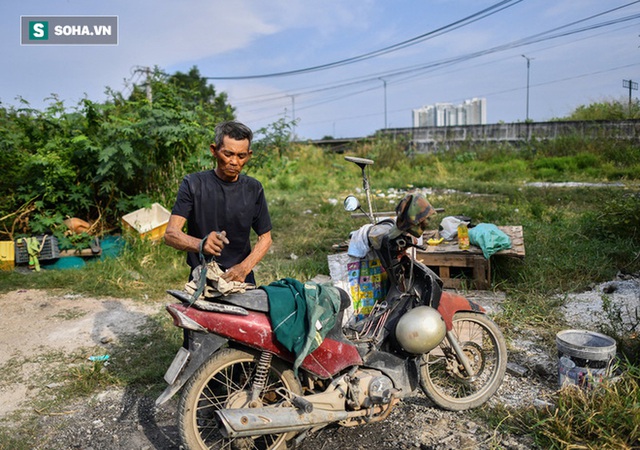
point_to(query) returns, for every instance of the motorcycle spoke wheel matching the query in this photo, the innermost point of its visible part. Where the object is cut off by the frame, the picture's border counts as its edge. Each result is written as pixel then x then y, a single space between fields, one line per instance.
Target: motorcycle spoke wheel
pixel 443 377
pixel 224 381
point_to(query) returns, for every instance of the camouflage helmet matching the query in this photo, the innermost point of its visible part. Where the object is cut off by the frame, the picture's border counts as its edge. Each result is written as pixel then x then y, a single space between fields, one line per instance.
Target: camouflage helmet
pixel 412 212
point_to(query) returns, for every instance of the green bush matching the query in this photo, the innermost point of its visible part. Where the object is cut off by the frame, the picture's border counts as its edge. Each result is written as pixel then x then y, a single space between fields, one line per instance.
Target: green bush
pixel 100 161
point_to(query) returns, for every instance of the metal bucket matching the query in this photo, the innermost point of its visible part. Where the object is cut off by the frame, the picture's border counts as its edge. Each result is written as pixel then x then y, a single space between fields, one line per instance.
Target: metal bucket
pixel 584 357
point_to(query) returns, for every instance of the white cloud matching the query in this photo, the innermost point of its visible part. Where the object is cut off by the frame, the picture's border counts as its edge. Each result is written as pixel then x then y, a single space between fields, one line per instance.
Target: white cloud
pixel 172 32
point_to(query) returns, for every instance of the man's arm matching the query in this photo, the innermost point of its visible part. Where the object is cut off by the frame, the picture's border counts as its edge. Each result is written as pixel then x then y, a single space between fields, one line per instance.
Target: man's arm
pixel 240 271
pixel 176 238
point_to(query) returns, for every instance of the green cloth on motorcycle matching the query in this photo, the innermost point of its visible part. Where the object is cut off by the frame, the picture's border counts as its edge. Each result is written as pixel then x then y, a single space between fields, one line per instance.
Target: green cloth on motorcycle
pixel 301 314
pixel 489 238
pixel 33 248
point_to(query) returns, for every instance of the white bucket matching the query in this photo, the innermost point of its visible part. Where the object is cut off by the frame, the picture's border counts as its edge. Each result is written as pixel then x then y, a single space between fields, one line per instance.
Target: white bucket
pixel 584 357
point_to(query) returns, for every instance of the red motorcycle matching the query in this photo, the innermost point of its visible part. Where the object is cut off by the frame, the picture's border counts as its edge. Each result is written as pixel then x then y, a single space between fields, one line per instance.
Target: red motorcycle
pixel 239 389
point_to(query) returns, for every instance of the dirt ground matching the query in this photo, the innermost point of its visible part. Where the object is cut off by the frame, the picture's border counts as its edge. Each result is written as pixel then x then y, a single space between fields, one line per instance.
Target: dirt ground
pixel 34 323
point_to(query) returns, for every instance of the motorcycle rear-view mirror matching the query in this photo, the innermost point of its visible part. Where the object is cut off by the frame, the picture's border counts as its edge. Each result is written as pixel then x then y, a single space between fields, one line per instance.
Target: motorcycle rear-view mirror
pixel 351 203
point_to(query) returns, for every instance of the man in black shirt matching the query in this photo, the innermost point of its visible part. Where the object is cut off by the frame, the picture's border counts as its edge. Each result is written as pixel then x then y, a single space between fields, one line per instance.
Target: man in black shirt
pixel 223 205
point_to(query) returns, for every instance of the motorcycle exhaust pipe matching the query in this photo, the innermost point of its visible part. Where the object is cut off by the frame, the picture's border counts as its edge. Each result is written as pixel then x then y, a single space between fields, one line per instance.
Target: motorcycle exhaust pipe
pixel 258 421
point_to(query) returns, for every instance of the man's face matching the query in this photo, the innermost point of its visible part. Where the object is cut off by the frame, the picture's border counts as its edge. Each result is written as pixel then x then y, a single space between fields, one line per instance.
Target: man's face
pixel 231 157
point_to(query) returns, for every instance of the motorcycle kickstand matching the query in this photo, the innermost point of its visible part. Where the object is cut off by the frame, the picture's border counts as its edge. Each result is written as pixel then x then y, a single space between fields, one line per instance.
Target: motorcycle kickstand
pixel 460 355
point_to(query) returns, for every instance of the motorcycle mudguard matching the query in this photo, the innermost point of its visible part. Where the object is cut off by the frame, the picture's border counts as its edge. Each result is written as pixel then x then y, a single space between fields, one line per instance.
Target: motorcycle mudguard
pixel 254 330
pixel 452 303
pixel 201 347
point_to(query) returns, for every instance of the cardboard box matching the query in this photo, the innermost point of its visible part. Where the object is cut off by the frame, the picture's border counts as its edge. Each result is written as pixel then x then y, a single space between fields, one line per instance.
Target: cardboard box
pixel 7 255
pixel 149 223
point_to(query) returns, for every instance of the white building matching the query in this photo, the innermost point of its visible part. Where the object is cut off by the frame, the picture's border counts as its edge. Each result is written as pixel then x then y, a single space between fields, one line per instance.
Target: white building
pixel 470 112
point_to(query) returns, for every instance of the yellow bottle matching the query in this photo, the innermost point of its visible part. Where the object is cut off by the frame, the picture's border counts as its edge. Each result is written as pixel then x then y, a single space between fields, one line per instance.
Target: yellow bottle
pixel 463 236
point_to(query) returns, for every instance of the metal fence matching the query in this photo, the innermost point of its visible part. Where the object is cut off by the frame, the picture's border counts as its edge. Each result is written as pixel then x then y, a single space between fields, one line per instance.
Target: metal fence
pixel 428 139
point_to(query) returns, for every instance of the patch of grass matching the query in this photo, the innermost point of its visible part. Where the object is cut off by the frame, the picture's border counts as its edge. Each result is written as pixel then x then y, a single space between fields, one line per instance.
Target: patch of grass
pixel 86 378
pixel 143 270
pixel 53 378
pixel 10 370
pixel 9 441
pixel 139 360
pixel 622 324
pixel 530 310
pixel 604 417
pixel 70 314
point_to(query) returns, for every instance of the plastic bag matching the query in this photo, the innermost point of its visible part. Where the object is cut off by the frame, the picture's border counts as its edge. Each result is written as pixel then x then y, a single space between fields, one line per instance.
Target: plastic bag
pixel 449 226
pixel 489 238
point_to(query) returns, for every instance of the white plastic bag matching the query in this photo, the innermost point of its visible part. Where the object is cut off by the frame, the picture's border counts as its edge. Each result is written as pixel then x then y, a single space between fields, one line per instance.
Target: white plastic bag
pixel 449 227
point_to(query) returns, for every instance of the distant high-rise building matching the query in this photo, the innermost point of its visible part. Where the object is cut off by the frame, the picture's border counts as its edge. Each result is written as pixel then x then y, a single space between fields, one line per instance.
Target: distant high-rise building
pixel 470 112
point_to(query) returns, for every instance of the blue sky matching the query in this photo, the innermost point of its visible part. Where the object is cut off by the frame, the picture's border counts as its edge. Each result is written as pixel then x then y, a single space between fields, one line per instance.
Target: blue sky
pixel 571 66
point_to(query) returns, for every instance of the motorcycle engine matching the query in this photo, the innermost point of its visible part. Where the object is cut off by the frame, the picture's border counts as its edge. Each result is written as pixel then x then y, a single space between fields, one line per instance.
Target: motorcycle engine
pixel 369 387
pixel 420 330
pixel 380 389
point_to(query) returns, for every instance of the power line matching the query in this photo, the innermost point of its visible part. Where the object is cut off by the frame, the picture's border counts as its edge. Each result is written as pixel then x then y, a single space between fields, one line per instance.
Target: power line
pixel 504 4
pixel 486 94
pixel 404 74
pixel 412 71
pixel 500 6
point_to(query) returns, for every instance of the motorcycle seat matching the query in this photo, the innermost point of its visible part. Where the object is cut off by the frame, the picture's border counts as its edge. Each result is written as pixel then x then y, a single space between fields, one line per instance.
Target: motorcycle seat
pixel 258 300
pixel 254 299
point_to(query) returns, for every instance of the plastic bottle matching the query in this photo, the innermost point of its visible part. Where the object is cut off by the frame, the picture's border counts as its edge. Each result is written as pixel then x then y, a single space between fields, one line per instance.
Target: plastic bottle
pixel 463 236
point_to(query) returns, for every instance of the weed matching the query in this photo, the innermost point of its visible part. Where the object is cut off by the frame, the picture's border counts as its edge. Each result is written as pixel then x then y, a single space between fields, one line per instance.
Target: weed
pixel 139 360
pixel 86 378
pixel 623 324
pixel 10 370
pixel 606 417
pixel 70 314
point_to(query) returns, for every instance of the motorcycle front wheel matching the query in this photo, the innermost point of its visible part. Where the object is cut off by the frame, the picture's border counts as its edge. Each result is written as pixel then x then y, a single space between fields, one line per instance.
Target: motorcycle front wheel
pixel 225 381
pixel 444 379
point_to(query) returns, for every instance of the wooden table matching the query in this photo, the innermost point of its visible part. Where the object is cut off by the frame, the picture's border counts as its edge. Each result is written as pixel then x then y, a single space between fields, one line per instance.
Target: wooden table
pixel 451 263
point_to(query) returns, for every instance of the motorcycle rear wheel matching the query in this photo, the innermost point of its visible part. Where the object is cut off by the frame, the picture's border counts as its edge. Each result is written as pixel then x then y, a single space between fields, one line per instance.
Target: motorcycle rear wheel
pixel 222 382
pixel 444 380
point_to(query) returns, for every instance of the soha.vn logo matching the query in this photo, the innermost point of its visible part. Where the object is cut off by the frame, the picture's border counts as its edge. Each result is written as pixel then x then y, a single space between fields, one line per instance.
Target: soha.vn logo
pixel 38 31
pixel 69 30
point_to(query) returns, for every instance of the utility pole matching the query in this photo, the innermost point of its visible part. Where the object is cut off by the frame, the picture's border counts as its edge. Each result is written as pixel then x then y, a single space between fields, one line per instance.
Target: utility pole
pixel 384 83
pixel 631 85
pixel 147 72
pixel 528 70
pixel 149 93
pixel 293 113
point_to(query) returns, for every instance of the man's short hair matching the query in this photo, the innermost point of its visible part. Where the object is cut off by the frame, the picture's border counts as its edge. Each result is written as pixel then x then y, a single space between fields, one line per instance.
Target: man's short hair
pixel 234 130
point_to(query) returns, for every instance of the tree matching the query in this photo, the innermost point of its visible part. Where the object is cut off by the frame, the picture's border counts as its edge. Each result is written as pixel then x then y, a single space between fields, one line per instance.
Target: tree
pixel 102 160
pixel 607 110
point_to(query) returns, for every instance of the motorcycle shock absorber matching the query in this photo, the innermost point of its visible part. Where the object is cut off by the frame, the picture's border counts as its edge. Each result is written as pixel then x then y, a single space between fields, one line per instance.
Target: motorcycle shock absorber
pixel 261 374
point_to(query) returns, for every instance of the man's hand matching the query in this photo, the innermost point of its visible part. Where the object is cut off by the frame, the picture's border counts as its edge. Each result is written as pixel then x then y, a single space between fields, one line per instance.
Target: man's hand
pixel 235 273
pixel 215 243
